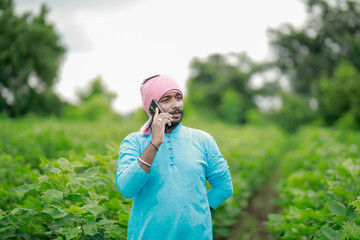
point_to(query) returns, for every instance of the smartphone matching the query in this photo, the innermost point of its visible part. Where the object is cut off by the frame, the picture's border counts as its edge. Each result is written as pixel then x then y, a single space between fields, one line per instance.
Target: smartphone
pixel 154 104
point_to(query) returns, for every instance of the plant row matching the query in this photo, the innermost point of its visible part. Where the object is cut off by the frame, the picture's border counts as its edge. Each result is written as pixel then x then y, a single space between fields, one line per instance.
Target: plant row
pixel 320 193
pixel 252 152
pixel 75 196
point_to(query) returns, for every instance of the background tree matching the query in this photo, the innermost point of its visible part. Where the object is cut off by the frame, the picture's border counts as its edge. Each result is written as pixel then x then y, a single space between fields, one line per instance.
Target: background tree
pixel 311 58
pixel 96 87
pixel 331 33
pixel 95 103
pixel 340 94
pixel 220 85
pixel 30 54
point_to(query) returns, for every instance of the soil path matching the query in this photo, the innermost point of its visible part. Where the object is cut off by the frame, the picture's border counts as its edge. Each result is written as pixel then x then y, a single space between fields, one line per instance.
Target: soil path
pixel 251 224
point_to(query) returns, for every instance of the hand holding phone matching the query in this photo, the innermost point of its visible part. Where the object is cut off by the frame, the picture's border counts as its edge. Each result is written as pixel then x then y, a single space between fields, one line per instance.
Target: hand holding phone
pixel 154 104
pixel 152 109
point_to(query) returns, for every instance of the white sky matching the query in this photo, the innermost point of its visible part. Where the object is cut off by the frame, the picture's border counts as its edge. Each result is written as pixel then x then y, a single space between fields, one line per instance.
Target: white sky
pixel 126 41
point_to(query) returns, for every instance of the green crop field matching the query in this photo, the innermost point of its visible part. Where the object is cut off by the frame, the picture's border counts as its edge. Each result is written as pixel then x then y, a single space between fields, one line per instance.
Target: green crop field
pixel 58 179
pixel 320 191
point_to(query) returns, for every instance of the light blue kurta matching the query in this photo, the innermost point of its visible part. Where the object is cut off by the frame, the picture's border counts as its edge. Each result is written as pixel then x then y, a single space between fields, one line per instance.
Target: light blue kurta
pixel 172 201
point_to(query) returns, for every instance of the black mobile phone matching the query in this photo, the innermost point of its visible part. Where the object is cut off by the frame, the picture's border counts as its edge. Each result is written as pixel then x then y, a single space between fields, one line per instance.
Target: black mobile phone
pixel 154 104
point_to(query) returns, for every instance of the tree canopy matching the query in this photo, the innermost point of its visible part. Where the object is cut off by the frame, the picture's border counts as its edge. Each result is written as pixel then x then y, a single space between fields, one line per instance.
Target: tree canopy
pixel 30 55
pixel 330 34
pixel 220 84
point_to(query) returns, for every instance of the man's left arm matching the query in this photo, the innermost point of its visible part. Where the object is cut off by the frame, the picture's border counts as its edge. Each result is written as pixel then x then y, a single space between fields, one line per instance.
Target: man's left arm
pixel 218 176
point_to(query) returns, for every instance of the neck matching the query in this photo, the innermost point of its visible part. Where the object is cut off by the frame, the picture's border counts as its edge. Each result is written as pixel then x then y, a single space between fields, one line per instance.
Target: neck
pixel 171 128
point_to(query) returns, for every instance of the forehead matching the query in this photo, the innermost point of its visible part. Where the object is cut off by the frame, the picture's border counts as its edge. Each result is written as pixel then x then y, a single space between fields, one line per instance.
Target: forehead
pixel 170 94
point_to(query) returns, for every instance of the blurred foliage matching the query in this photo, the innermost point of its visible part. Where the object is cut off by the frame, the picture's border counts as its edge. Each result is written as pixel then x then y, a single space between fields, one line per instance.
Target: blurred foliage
pixel 96 87
pixel 30 54
pixel 319 61
pixel 331 33
pixel 94 109
pixel 340 94
pixel 319 190
pixel 95 103
pixel 294 112
pixel 219 85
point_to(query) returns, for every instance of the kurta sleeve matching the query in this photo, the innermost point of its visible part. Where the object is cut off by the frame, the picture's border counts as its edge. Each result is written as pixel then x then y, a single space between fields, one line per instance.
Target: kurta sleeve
pixel 130 177
pixel 218 176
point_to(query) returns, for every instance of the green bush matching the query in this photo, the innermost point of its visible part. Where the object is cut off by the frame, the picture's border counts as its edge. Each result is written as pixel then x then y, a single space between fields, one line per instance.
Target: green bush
pixel 339 95
pixel 320 194
pixel 294 113
pixel 73 199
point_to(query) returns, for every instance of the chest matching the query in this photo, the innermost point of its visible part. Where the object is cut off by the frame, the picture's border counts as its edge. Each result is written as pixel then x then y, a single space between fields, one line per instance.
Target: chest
pixel 179 157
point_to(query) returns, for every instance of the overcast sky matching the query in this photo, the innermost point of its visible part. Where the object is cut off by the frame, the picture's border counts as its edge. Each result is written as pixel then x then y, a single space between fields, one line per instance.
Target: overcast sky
pixel 126 41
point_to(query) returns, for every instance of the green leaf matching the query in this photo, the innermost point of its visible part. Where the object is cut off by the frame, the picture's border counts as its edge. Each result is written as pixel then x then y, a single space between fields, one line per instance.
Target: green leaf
pixel 331 233
pixel 77 164
pixel 337 207
pixel 114 231
pixel 350 212
pixel 75 209
pixel 343 172
pixel 72 233
pixel 90 172
pixel 356 203
pixel 355 232
pixel 65 165
pixel 74 184
pixel 51 194
pixel 94 209
pixel 43 178
pixel 103 222
pixel 350 167
pixel 16 210
pixel 55 212
pixel 2 214
pixel 69 233
pixel 54 169
pixel 90 228
pixel 328 219
pixel 76 197
pixel 4 229
pixel 115 203
pixel 44 161
pixel 88 157
pixel 26 187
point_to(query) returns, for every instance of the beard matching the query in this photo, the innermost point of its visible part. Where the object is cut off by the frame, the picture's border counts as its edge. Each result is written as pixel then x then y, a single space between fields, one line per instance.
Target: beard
pixel 177 122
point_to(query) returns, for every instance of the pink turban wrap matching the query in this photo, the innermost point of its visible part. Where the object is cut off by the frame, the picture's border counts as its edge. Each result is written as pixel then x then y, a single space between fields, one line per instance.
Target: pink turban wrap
pixel 155 88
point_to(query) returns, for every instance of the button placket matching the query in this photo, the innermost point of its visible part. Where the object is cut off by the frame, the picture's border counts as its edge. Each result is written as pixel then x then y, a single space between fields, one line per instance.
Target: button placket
pixel 171 151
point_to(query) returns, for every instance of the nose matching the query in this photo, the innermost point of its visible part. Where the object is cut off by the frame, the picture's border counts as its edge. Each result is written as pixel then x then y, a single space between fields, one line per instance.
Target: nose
pixel 175 103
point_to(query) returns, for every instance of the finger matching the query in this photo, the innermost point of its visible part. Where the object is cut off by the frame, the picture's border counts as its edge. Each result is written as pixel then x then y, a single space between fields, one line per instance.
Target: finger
pixel 156 115
pixel 167 119
pixel 165 115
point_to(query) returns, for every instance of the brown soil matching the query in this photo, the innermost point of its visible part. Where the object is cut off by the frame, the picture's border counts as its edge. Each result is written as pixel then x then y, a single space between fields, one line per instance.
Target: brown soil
pixel 251 224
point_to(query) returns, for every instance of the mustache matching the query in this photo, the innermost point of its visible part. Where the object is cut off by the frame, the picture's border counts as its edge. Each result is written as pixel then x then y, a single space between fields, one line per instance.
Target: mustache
pixel 178 110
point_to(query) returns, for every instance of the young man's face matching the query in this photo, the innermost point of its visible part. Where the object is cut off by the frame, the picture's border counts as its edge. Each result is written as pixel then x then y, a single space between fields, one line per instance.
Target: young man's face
pixel 173 103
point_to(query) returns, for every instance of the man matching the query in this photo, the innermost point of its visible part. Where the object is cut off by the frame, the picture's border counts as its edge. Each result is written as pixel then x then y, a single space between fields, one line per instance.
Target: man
pixel 166 173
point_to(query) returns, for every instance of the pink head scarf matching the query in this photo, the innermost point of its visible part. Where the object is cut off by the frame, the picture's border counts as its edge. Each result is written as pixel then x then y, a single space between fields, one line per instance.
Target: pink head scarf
pixel 155 88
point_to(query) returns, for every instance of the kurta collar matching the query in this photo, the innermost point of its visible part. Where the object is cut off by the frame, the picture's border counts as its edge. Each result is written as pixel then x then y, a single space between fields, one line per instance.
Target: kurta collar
pixel 177 129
